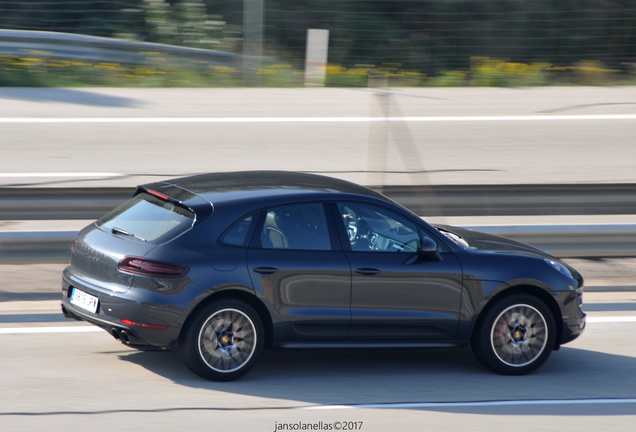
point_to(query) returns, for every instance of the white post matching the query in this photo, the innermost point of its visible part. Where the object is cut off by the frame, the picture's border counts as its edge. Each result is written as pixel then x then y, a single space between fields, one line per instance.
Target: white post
pixel 316 57
pixel 252 42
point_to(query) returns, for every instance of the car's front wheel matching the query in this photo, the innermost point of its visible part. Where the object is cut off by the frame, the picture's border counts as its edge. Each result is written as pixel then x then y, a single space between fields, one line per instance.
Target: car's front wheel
pixel 516 336
pixel 223 341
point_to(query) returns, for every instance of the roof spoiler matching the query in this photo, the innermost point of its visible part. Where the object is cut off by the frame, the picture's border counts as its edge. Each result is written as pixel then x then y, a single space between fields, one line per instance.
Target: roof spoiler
pixel 202 208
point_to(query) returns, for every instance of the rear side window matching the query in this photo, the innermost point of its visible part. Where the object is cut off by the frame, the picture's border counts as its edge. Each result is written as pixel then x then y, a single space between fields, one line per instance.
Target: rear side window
pixel 148 218
pixel 237 235
pixel 296 226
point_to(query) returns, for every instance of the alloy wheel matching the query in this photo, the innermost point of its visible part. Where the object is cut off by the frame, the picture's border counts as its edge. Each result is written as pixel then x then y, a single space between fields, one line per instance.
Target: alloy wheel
pixel 519 335
pixel 227 340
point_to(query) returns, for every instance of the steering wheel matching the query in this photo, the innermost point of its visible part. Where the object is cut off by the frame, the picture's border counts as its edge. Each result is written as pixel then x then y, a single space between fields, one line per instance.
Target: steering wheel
pixel 352 229
pixel 362 240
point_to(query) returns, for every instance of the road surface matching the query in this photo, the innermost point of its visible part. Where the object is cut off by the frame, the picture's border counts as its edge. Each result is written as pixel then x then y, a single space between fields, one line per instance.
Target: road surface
pixel 59 375
pixel 123 136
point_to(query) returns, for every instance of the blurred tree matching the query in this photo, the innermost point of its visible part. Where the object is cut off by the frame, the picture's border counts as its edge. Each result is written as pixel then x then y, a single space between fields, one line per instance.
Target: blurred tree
pixel 185 23
pixel 424 35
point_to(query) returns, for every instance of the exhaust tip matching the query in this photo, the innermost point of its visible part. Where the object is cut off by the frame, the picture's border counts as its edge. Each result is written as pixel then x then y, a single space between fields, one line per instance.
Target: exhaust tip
pixel 115 334
pixel 124 336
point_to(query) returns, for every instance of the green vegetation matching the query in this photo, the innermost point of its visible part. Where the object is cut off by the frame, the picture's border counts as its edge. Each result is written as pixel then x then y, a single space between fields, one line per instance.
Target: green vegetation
pixel 36 71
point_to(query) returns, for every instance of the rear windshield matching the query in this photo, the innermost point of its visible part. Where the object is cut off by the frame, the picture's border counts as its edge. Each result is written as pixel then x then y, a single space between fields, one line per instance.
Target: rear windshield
pixel 148 218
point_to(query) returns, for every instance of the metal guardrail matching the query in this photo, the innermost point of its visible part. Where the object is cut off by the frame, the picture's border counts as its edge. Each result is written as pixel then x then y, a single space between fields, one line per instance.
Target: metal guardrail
pixel 101 49
pixel 516 200
pixel 448 200
pixel 60 203
pixel 32 203
pixel 568 241
pixel 21 247
pixel 572 241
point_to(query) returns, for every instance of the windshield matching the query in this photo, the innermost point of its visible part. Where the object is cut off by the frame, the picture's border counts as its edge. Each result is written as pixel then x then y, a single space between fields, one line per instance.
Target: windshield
pixel 148 218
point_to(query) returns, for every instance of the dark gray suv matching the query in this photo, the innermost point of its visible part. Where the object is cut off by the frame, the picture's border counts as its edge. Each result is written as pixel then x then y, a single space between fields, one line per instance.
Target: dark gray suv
pixel 224 265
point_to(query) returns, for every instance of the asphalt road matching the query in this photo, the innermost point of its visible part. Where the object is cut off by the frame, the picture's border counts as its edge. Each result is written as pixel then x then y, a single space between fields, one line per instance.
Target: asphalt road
pixel 149 131
pixel 88 381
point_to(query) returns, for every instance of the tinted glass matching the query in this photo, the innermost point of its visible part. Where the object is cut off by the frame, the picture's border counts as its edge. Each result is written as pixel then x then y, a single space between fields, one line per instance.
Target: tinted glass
pixel 372 228
pixel 237 236
pixel 150 218
pixel 296 226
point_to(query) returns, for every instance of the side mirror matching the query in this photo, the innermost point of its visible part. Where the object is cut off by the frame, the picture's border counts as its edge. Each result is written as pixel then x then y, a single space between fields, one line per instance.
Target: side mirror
pixel 429 249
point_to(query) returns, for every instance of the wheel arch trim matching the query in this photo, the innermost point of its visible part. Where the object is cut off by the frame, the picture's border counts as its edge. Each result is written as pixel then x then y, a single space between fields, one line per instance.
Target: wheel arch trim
pixel 240 294
pixel 548 298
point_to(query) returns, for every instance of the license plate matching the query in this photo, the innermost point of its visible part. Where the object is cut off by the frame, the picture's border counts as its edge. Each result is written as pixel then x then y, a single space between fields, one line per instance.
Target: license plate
pixel 83 300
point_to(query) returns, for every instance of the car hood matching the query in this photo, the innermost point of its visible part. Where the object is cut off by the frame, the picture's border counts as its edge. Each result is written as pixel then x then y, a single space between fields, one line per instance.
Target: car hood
pixel 481 241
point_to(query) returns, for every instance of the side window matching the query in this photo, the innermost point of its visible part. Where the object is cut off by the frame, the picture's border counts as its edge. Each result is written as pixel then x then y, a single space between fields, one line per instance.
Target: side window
pixel 237 235
pixel 300 226
pixel 373 228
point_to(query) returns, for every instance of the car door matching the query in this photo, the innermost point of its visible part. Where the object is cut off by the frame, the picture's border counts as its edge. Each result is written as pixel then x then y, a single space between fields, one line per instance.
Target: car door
pixel 296 262
pixel 397 294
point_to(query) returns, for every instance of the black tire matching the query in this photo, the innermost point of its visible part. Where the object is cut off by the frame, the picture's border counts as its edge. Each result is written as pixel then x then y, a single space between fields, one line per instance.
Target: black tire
pixel 516 335
pixel 223 341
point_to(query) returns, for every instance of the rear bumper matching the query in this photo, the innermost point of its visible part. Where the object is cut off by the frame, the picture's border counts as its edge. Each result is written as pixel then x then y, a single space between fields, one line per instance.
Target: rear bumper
pixel 120 332
pixel 133 305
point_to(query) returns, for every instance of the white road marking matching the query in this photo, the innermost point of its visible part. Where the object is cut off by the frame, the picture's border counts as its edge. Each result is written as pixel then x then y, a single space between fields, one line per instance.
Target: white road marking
pixel 523 118
pixel 29 175
pixel 611 319
pixel 35 330
pixel 477 404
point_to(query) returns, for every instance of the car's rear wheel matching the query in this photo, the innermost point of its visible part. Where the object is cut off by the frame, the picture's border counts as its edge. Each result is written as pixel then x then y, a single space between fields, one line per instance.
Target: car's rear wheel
pixel 516 336
pixel 223 341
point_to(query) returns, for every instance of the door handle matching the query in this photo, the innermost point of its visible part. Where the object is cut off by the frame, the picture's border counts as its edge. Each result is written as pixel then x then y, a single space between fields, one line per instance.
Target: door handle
pixel 367 271
pixel 265 270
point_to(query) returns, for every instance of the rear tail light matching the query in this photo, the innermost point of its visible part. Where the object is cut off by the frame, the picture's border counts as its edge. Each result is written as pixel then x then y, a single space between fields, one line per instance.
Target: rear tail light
pixel 145 267
pixel 143 325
